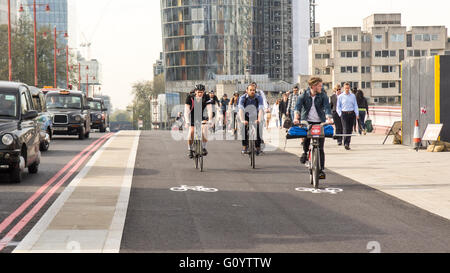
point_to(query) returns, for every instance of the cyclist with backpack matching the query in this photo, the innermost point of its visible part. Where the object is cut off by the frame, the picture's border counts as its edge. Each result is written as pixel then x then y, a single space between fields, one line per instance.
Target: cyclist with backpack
pixel 313 106
pixel 251 109
pixel 195 113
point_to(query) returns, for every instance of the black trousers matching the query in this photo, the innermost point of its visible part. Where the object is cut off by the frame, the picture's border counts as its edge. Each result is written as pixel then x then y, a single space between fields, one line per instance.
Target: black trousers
pixel 339 128
pixel 307 143
pixel 348 120
pixel 258 136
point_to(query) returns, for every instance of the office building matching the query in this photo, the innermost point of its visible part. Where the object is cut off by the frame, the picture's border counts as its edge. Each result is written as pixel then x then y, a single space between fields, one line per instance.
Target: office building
pixel 158 66
pixel 4 12
pixel 205 39
pixel 57 16
pixel 369 57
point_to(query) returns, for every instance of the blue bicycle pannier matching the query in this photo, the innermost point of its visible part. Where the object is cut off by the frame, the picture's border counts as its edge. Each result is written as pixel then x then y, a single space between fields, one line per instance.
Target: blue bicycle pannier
pixel 297 132
pixel 329 131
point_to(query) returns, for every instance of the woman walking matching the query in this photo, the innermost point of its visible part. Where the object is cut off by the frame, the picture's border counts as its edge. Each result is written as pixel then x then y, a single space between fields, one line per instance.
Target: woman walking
pixel 276 113
pixel 363 107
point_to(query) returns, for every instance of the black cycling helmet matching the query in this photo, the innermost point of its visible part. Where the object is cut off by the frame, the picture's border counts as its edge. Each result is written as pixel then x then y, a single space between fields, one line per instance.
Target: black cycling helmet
pixel 200 87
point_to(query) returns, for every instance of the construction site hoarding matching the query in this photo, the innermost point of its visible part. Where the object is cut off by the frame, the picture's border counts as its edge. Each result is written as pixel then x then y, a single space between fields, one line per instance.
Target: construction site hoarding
pixel 425 95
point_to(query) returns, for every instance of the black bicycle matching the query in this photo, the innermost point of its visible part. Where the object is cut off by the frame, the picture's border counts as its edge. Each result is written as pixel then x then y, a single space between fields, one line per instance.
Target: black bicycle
pixel 198 148
pixel 252 145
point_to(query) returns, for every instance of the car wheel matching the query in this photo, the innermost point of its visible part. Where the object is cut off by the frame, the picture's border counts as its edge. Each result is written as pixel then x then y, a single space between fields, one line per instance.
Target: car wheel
pixel 33 169
pixel 44 146
pixel 49 132
pixel 16 170
pixel 103 129
pixel 82 134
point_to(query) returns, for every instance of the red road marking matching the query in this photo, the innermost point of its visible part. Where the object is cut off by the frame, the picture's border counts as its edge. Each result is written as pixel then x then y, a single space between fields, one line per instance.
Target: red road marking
pixel 24 221
pixel 27 203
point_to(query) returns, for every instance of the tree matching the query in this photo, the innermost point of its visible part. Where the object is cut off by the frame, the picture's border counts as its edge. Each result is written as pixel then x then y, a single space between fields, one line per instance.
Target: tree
pixel 159 84
pixel 121 116
pixel 23 55
pixel 143 92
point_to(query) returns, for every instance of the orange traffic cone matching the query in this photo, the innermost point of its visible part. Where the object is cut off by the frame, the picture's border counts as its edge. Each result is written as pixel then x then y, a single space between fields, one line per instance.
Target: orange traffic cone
pixel 417 140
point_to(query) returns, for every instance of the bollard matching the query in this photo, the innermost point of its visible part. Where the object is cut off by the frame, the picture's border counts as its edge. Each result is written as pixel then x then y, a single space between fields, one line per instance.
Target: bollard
pixel 417 140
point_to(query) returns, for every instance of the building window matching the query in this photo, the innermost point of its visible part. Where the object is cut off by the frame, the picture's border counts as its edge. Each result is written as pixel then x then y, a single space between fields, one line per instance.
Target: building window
pixel 349 54
pixel 385 69
pixel 384 85
pixel 349 38
pixel 397 37
pixel 434 52
pixel 378 38
pixel 435 37
pixel 385 53
pixel 417 53
pixel 349 69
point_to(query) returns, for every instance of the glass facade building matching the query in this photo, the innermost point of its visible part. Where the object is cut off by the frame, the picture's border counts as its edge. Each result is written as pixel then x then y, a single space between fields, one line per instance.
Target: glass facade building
pixel 203 38
pixel 4 12
pixel 58 16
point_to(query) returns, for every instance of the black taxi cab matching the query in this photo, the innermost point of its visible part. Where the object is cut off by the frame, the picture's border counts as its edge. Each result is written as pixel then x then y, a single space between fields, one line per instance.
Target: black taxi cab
pixel 19 131
pixel 99 114
pixel 71 113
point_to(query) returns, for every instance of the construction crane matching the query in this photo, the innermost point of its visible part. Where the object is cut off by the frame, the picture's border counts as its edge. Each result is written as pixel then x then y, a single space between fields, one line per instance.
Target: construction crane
pixel 312 18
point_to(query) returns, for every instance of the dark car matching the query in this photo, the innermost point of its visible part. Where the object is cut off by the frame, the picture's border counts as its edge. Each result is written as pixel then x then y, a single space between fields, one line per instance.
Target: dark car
pixel 45 118
pixel 99 114
pixel 19 131
pixel 71 113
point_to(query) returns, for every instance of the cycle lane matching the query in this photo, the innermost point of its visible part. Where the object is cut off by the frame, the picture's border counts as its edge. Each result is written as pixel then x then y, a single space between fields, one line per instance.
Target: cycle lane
pixel 260 210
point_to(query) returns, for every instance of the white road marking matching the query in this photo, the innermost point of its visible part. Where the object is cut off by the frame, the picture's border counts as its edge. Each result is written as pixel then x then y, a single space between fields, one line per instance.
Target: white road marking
pixel 184 188
pixel 114 239
pixel 327 190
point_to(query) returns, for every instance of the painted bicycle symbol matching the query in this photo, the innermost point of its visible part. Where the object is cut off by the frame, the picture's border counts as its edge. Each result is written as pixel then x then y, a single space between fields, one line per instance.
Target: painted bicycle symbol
pixel 185 188
pixel 327 190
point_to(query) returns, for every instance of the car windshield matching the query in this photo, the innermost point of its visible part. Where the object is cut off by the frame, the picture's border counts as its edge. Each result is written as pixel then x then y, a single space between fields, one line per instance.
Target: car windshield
pixel 95 105
pixel 8 105
pixel 57 101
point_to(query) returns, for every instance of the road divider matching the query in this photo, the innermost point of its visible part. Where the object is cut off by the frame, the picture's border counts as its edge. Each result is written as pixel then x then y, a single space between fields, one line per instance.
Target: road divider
pixel 75 163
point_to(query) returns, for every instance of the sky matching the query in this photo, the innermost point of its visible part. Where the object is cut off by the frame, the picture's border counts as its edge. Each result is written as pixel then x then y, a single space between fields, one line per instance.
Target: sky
pixel 126 35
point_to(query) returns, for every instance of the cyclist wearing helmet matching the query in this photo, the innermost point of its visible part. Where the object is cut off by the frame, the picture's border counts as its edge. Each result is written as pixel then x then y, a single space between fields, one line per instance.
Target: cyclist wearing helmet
pixel 198 108
pixel 313 106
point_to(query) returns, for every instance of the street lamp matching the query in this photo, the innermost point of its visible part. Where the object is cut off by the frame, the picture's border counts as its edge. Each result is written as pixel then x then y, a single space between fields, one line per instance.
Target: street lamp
pixel 47 9
pixel 9 41
pixel 66 36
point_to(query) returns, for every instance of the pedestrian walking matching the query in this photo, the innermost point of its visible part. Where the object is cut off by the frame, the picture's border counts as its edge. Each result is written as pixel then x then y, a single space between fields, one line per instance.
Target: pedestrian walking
pixel 337 120
pixel 276 113
pixel 363 108
pixel 293 102
pixel 234 107
pixel 355 122
pixel 224 103
pixel 283 108
pixel 348 110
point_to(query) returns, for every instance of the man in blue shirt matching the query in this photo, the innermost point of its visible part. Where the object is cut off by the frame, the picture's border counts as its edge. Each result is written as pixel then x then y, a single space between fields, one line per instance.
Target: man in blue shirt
pixel 347 109
pixel 251 110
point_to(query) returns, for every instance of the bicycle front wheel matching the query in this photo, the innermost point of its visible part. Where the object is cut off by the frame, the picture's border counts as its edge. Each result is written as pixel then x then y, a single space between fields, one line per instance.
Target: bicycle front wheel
pixel 201 163
pixel 316 167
